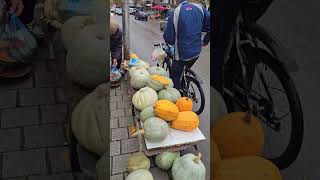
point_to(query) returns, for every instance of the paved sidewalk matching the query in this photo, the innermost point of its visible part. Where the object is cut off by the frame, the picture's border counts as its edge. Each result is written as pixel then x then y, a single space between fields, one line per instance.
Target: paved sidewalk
pixel 122 144
pixel 34 114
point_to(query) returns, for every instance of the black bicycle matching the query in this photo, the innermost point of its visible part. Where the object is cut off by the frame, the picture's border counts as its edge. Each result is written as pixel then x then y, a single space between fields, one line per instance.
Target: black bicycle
pixel 257 79
pixel 190 83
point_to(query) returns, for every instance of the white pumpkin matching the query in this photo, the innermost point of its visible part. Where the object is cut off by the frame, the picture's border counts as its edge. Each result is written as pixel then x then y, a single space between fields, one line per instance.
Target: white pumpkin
pixel 155 70
pixel 170 94
pixel 86 59
pixel 165 160
pixel 218 108
pixel 140 78
pixel 133 69
pixel 89 123
pixel 141 174
pixel 188 167
pixel 72 27
pixel 145 97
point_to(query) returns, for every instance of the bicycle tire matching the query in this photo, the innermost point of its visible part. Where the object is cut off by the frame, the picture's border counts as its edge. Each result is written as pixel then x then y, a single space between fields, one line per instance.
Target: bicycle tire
pixel 191 79
pixel 292 151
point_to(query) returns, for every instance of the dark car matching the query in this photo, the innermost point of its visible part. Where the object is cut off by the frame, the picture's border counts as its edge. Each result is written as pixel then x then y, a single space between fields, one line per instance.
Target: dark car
pixel 141 15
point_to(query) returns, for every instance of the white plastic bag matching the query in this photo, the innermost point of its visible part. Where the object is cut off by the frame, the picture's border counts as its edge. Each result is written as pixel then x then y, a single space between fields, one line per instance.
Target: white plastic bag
pixel 158 55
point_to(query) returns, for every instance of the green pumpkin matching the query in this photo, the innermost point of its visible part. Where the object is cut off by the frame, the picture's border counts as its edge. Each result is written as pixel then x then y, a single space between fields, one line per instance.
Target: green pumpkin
pixel 170 83
pixel 141 174
pixel 154 129
pixel 145 97
pixel 133 69
pixel 89 123
pixel 138 161
pixel 102 167
pixel 155 70
pixel 147 113
pixel 188 167
pixel 140 78
pixel 170 94
pixel 166 159
pixel 157 86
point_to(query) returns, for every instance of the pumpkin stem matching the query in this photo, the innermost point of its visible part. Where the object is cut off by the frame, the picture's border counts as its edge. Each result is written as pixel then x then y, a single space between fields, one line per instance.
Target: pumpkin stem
pixel 247 118
pixel 140 132
pixel 197 159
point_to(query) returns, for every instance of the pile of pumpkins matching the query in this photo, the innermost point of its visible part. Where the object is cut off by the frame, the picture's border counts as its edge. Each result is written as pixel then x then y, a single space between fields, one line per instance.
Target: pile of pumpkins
pixel 237 142
pixel 161 106
pixel 84 38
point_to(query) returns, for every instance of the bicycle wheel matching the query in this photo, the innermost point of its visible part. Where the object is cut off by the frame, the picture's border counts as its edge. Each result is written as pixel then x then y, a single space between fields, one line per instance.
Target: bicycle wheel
pixel 194 91
pixel 268 107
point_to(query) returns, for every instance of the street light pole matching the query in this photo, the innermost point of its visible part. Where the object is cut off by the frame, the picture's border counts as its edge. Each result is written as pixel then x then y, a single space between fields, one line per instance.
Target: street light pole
pixel 126 28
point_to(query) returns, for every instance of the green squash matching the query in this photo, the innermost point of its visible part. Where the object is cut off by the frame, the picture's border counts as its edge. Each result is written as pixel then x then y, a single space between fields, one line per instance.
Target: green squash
pixel 138 161
pixel 154 129
pixel 133 69
pixel 102 167
pixel 147 113
pixel 140 78
pixel 170 94
pixel 188 167
pixel 166 159
pixel 144 98
pixel 89 123
pixel 141 174
pixel 170 83
pixel 157 86
pixel 155 70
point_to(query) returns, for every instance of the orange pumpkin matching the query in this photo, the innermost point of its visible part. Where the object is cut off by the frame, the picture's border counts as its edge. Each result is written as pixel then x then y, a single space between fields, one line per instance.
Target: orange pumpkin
pixel 166 110
pixel 184 104
pixel 186 121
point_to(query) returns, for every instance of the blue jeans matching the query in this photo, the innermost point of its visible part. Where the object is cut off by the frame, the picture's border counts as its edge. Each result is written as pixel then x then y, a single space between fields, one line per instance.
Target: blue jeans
pixel 176 70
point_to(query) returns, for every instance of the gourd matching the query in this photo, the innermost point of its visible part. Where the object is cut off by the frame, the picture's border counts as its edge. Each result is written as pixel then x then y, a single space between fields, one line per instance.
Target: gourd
pixel 143 64
pixel 140 78
pixel 170 94
pixel 155 70
pixel 86 59
pixel 147 113
pixel 89 123
pixel 165 160
pixel 72 27
pixel 214 165
pixel 186 121
pixel 218 108
pixel 154 130
pixel 188 167
pixel 238 134
pixel 184 104
pixel 145 97
pixel 170 85
pixel 158 82
pixel 141 174
pixel 102 167
pixel 247 168
pixel 166 110
pixel 138 161
pixel 133 69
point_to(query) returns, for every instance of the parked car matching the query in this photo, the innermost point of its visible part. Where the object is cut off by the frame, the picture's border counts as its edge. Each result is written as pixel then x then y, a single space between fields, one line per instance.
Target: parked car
pixel 118 11
pixel 141 15
pixel 163 24
pixel 113 9
pixel 132 10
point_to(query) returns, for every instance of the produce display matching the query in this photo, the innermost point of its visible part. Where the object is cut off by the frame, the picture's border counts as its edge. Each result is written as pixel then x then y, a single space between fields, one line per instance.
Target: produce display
pixel 165 160
pixel 171 94
pixel 184 104
pixel 158 82
pixel 166 110
pixel 147 113
pixel 186 121
pixel 140 78
pixel 154 129
pixel 154 70
pixel 188 167
pixel 145 97
pixel 138 161
pixel 141 174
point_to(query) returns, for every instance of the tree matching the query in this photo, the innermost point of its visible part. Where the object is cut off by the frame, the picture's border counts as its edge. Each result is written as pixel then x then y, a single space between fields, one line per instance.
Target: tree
pixel 136 2
pixel 117 2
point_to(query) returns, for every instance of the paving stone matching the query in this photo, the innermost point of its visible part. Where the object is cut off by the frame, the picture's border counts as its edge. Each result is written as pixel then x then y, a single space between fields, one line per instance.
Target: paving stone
pixel 59 159
pixel 114 123
pixel 45 76
pixel 115 98
pixel 119 164
pixel 8 98
pixel 37 96
pixel 113 105
pixel 21 116
pixel 121 92
pixel 159 174
pixel 117 177
pixel 54 113
pixel 119 133
pixel 44 136
pixel 112 92
pixel 117 113
pixel 10 140
pixel 114 148
pixel 18 178
pixel 127 98
pixel 129 146
pixel 124 104
pixel 61 95
pixel 24 83
pixel 124 85
pixel 128 112
pixel 125 121
pixel 23 163
pixel 67 176
pixel 80 176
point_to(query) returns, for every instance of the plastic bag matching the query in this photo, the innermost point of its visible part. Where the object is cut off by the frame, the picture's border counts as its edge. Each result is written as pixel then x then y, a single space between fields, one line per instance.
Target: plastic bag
pixel 115 74
pixel 133 62
pixel 15 29
pixel 158 55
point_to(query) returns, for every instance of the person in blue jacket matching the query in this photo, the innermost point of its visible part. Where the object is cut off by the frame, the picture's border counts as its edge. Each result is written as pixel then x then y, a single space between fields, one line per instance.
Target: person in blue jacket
pixel 184 31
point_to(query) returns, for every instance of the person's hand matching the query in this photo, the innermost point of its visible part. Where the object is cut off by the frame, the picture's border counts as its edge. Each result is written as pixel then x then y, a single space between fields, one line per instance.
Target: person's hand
pixel 114 62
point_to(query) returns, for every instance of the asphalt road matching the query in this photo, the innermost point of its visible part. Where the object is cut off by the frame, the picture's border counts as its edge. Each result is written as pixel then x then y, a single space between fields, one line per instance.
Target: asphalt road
pixel 294 23
pixel 142 37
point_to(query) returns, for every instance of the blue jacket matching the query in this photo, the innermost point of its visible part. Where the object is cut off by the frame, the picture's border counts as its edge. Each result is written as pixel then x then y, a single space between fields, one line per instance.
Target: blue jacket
pixel 192 21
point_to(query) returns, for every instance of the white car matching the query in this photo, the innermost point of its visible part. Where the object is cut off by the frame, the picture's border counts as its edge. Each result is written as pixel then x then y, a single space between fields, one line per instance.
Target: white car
pixel 132 10
pixel 118 11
